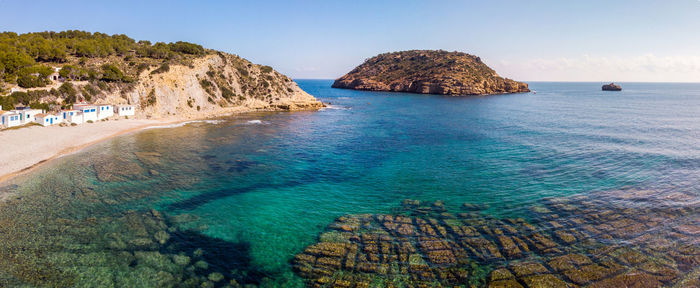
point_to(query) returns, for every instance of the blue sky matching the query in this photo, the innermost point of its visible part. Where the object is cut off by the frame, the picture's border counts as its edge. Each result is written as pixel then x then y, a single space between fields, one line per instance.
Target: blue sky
pixel 526 40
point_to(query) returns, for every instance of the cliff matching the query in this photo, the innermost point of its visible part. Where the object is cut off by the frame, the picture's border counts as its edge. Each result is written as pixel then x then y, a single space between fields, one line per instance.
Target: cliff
pixel 212 85
pixel 428 72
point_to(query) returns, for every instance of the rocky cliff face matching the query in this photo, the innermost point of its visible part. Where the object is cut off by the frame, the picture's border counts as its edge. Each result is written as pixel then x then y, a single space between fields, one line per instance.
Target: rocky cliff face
pixel 212 85
pixel 428 72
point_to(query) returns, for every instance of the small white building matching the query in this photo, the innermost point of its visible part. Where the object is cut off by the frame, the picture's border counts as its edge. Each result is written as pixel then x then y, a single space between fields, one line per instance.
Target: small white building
pixel 89 111
pixel 55 76
pixel 72 116
pixel 104 111
pixel 125 110
pixel 27 115
pixel 47 119
pixel 9 119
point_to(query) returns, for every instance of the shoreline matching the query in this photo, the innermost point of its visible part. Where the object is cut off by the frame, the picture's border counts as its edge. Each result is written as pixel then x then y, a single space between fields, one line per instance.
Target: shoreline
pixel 29 164
pixel 34 160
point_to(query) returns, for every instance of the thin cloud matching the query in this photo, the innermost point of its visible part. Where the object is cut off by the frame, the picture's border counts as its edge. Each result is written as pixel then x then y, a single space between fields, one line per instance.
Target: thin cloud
pixel 646 67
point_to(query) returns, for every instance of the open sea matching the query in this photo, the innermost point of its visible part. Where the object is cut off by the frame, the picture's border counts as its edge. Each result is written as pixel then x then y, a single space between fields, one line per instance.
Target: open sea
pixel 566 186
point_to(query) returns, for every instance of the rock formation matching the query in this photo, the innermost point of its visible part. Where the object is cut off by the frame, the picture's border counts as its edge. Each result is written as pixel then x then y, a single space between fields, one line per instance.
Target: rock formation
pixel 572 242
pixel 428 72
pixel 217 84
pixel 612 87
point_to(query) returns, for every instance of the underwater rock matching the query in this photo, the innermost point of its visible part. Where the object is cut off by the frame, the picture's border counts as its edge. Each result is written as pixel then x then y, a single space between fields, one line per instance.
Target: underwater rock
pixel 118 169
pixel 162 237
pixel 148 158
pixel 576 241
pixel 215 277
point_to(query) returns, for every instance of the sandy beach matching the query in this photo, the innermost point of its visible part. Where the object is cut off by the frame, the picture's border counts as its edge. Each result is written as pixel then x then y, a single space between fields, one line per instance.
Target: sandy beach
pixel 24 148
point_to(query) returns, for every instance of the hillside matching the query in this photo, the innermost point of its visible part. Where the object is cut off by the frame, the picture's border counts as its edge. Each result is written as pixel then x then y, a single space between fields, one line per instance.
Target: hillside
pixel 53 70
pixel 428 72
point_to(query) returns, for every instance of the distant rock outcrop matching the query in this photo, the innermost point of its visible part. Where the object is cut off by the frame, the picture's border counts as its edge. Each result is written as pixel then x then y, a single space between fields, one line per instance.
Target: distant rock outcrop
pixel 428 72
pixel 612 87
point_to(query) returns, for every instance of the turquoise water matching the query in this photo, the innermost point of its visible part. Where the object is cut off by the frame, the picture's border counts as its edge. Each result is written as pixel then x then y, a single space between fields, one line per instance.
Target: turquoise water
pixel 253 190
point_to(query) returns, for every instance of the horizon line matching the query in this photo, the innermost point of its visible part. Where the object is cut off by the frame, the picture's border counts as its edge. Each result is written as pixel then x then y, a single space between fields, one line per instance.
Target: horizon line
pixel 553 81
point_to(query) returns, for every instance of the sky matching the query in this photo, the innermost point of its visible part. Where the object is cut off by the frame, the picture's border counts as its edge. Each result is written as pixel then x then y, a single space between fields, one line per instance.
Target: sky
pixel 591 40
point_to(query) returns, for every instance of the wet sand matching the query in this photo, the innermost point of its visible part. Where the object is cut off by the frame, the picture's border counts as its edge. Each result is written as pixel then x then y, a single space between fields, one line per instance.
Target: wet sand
pixel 23 149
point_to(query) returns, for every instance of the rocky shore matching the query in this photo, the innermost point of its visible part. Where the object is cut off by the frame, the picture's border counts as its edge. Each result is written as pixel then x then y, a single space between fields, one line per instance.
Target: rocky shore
pixel 575 241
pixel 428 72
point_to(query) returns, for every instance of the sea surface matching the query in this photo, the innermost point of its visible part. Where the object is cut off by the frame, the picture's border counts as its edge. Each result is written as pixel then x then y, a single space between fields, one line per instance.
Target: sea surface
pixel 231 201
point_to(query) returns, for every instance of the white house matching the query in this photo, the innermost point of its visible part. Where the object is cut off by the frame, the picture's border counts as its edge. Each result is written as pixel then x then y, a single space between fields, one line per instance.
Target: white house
pixel 125 110
pixel 89 111
pixel 27 115
pixel 72 116
pixel 55 76
pixel 47 119
pixel 9 119
pixel 104 111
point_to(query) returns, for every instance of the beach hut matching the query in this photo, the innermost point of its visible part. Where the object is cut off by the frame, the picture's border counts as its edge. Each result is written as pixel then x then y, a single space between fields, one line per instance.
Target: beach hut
pixel 104 111
pixel 125 110
pixel 9 119
pixel 47 119
pixel 89 111
pixel 27 115
pixel 72 116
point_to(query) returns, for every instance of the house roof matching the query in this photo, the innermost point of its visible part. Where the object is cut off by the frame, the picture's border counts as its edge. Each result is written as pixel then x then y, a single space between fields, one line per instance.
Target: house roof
pixel 41 115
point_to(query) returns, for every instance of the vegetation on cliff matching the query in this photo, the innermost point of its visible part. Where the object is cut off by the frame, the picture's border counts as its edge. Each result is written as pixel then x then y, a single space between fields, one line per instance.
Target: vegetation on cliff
pixel 428 72
pixel 57 69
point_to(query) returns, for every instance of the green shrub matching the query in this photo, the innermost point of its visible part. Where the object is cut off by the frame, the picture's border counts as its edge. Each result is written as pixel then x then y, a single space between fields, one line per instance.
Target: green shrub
pixel 68 92
pixel 90 121
pixel 141 67
pixel 205 83
pixel 31 81
pixel 266 69
pixel 111 73
pixel 227 93
pixel 162 69
pixel 186 48
pixel 151 98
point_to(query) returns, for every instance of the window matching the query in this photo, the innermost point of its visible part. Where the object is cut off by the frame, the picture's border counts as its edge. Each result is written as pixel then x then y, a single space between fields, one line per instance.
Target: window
pixel 93 110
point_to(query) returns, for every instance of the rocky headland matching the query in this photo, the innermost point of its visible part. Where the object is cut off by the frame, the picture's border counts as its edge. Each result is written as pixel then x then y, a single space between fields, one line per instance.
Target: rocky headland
pixel 175 80
pixel 428 72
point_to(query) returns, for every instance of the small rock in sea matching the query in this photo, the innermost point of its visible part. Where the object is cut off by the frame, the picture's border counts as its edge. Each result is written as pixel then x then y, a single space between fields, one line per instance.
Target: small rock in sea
pixel 612 87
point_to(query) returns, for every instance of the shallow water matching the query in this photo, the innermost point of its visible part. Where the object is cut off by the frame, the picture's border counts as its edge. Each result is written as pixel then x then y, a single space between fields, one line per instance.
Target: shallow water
pixel 240 197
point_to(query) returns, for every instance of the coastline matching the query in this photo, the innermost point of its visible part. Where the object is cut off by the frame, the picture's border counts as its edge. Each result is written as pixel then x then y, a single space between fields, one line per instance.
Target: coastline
pixel 27 148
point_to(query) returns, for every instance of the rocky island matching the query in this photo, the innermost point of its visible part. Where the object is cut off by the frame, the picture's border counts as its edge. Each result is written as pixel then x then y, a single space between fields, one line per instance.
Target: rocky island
pixel 612 87
pixel 428 72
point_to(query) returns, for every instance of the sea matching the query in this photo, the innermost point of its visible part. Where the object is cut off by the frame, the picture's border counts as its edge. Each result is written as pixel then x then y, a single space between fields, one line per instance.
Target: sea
pixel 565 184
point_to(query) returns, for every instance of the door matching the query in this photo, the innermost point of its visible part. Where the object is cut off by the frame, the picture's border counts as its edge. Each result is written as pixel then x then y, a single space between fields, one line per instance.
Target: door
pixel 51 120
